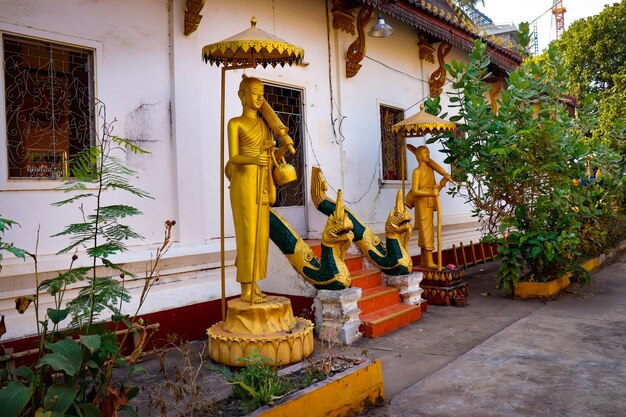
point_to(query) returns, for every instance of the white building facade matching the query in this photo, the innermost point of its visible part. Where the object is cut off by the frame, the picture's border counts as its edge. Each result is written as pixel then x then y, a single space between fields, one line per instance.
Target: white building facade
pixel 151 78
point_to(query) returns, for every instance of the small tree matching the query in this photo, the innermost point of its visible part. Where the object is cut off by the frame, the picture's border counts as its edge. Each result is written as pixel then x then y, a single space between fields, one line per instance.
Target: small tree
pixel 73 376
pixel 515 166
pixel 594 51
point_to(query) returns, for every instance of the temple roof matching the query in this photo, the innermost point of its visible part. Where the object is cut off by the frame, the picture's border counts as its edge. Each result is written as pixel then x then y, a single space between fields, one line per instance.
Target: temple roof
pixel 443 20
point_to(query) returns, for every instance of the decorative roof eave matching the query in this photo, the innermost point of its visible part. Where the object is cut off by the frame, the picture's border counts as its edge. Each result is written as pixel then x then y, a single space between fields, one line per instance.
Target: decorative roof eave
pixel 413 15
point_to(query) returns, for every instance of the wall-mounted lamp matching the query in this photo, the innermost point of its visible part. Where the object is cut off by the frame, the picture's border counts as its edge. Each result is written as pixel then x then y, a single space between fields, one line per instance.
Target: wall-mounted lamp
pixel 380 29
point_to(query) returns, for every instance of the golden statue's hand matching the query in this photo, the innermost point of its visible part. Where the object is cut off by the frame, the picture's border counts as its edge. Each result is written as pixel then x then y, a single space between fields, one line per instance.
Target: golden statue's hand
pixel 262 160
pixel 287 143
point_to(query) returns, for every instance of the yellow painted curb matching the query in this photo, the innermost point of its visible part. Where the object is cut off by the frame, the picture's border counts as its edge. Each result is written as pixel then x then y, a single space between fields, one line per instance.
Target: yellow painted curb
pixel 530 290
pixel 542 290
pixel 345 394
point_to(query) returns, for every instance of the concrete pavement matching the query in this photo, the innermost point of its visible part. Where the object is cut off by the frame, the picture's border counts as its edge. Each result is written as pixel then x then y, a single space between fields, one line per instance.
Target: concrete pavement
pixel 495 357
pixel 503 357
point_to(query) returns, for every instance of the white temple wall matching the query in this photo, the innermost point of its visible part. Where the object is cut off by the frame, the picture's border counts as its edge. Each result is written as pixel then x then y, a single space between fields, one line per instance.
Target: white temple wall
pixel 153 81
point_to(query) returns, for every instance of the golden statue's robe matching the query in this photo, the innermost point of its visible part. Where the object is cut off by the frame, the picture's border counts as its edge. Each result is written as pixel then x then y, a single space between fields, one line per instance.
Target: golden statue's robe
pixel 424 179
pixel 252 223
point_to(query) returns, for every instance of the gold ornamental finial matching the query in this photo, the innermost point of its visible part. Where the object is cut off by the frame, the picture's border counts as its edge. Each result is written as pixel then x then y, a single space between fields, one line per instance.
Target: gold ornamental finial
pixel 253 22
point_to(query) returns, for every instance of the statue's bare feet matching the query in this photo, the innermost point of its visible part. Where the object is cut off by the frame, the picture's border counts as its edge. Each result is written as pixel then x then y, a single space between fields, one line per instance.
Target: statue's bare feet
pixel 246 294
pixel 426 260
pixel 258 293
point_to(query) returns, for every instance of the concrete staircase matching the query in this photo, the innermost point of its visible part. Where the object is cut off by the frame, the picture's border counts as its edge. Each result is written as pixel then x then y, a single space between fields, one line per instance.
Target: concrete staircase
pixel 381 309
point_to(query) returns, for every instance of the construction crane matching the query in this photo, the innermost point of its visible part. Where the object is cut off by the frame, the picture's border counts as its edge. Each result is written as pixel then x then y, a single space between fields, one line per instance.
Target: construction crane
pixel 535 38
pixel 559 16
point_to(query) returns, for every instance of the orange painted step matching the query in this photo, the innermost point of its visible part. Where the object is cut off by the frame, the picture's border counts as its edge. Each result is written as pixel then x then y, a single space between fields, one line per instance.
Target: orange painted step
pixel 378 298
pixel 367 278
pixel 354 262
pixel 389 319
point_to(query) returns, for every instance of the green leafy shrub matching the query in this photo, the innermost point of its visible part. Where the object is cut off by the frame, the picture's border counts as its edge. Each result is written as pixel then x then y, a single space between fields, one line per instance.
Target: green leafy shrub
pixel 73 376
pixel 515 165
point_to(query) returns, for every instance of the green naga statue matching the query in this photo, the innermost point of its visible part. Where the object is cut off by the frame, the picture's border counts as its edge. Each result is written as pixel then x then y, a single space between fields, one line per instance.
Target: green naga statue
pixel 329 272
pixel 342 228
pixel 392 258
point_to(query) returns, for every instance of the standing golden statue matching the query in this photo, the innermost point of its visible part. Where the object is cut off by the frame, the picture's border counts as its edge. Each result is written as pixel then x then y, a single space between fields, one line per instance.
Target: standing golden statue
pixel 253 172
pixel 424 196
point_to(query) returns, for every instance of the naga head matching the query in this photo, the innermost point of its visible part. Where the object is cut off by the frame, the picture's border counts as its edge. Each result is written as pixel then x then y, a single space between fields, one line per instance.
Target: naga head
pixel 399 220
pixel 339 227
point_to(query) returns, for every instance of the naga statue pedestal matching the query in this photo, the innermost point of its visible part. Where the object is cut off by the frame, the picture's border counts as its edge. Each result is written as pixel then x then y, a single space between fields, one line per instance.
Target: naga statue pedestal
pixel 443 287
pixel 269 327
pixel 337 315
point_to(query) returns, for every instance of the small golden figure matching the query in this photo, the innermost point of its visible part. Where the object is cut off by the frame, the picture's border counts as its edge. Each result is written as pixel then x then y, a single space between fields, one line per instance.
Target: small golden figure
pixel 424 196
pixel 252 156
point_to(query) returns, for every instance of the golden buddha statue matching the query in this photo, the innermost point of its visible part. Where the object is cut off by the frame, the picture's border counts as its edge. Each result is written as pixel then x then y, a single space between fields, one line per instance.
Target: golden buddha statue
pixel 256 322
pixel 424 195
pixel 252 157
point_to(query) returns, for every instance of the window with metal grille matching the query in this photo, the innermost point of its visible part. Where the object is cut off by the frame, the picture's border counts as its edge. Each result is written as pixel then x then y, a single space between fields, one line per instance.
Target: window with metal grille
pixel 49 106
pixel 391 155
pixel 287 103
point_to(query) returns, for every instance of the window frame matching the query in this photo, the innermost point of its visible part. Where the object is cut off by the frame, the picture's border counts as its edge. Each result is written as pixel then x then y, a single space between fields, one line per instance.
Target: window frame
pixel 21 184
pixel 381 179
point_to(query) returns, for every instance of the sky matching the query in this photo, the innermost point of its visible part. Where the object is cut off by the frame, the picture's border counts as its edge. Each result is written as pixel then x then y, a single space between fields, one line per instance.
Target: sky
pixel 515 11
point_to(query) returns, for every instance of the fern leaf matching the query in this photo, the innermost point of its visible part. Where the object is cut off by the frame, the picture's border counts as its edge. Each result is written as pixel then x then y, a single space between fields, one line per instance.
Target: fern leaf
pixel 75 244
pixel 104 293
pixel 54 285
pixel 131 189
pixel 128 145
pixel 71 200
pixel 81 229
pixel 116 267
pixel 84 163
pixel 107 249
pixel 118 211
pixel 121 232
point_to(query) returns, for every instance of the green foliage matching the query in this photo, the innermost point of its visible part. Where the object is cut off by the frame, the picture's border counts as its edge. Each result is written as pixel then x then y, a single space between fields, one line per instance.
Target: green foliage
pixel 257 383
pixel 6 224
pixel 594 50
pixel 13 398
pixel 515 165
pixel 73 376
pixel 522 36
pixel 95 171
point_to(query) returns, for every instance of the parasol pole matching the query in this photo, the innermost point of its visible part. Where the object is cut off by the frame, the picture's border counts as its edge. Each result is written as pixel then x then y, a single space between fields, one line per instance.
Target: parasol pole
pixel 222 251
pixel 438 207
pixel 402 156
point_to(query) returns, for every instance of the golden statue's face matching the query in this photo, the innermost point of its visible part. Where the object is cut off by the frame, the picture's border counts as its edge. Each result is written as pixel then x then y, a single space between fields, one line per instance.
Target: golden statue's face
pixel 423 154
pixel 253 96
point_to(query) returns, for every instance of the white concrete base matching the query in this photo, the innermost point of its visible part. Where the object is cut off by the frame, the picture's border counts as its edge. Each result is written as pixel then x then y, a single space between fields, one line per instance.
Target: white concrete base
pixel 409 285
pixel 337 315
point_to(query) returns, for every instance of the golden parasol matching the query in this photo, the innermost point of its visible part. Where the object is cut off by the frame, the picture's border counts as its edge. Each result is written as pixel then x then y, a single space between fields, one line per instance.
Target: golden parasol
pixel 247 49
pixel 418 125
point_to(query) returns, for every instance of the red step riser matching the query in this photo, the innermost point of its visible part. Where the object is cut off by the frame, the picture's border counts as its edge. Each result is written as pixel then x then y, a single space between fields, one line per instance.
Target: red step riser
pixel 368 281
pixel 354 264
pixel 373 331
pixel 378 303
